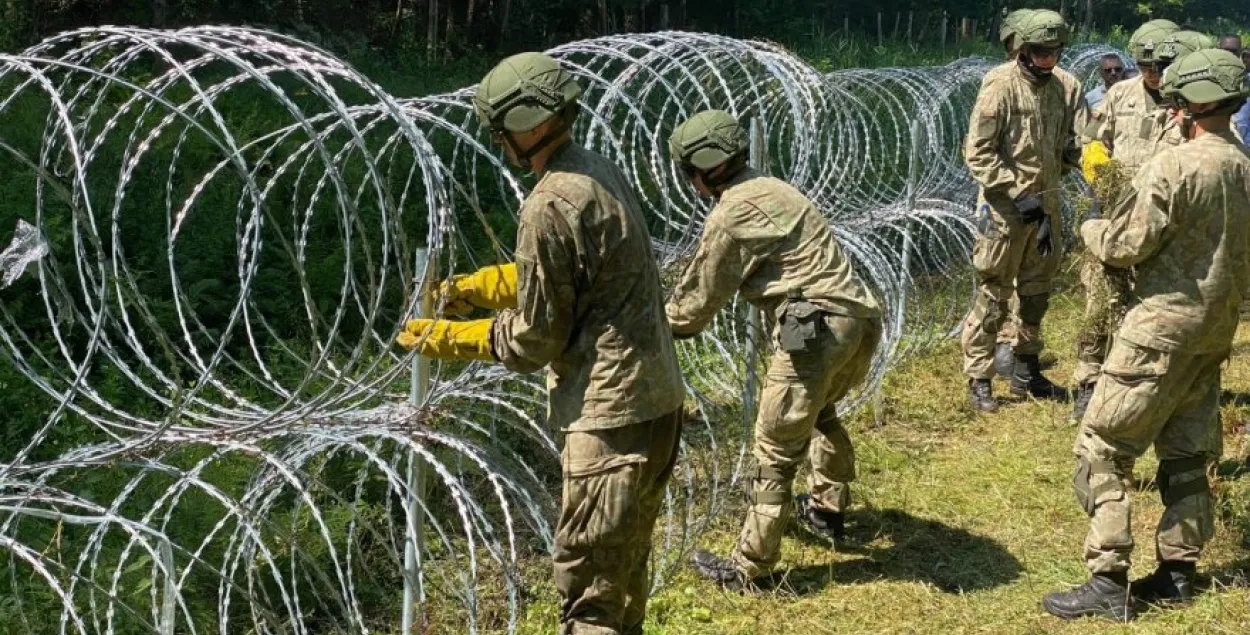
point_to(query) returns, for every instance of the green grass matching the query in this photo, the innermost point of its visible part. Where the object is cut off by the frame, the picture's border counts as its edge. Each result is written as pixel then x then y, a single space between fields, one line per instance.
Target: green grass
pixel 962 522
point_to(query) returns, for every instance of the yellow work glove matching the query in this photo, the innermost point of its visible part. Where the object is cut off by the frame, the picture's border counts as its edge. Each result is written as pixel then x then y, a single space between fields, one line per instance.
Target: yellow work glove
pixel 448 339
pixel 1094 157
pixel 492 287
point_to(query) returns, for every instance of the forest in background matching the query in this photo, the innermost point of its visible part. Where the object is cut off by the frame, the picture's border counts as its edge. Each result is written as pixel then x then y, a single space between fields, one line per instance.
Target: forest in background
pixel 437 29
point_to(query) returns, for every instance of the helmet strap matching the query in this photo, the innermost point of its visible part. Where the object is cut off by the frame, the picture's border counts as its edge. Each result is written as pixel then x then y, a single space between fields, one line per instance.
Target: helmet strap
pixel 525 158
pixel 1032 71
pixel 725 172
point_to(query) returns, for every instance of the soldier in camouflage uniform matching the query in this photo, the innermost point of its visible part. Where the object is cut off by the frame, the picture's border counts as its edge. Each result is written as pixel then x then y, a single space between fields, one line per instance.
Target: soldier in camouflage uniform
pixel 1021 141
pixel 767 241
pixel 1185 228
pixel 1132 125
pixel 589 306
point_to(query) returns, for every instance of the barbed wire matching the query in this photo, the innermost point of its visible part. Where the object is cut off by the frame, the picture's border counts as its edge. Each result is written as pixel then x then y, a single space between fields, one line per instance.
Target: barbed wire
pixel 239 460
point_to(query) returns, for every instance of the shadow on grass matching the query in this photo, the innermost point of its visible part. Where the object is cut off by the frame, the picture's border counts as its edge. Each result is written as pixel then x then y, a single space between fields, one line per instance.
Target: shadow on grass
pixel 915 549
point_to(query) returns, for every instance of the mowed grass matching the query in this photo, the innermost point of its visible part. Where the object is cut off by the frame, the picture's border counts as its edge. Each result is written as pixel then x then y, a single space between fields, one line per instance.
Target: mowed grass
pixel 962 522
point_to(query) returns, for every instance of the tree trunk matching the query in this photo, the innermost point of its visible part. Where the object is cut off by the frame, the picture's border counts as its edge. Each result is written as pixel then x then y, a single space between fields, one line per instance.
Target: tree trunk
pixel 1088 27
pixel 158 13
pixel 505 16
pixel 664 17
pixel 431 34
pixel 468 17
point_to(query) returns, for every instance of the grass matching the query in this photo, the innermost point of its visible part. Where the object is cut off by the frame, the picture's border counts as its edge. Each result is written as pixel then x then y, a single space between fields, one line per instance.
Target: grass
pixel 962 523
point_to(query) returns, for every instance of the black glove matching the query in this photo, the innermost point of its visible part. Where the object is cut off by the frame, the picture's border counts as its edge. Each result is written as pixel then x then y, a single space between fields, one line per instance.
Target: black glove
pixel 1029 206
pixel 1095 209
pixel 1044 244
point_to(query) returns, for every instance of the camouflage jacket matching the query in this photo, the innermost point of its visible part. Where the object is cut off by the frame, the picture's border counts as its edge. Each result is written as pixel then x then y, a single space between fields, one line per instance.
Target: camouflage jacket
pixel 1186 230
pixel 1022 136
pixel 765 239
pixel 589 301
pixel 1133 124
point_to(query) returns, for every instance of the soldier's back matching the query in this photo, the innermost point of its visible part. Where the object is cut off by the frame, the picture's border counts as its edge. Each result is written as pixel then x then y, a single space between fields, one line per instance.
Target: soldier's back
pixel 1191 288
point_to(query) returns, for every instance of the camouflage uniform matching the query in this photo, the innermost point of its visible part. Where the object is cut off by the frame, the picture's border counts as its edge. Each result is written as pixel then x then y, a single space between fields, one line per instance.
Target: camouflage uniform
pixel 1187 232
pixel 590 306
pixel 1021 140
pixel 768 242
pixel 1135 125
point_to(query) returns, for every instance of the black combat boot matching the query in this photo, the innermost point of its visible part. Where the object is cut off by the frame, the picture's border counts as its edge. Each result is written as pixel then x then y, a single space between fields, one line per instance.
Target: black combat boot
pixel 981 392
pixel 1171 583
pixel 1080 402
pixel 1105 595
pixel 1028 381
pixel 720 570
pixel 1004 360
pixel 830 524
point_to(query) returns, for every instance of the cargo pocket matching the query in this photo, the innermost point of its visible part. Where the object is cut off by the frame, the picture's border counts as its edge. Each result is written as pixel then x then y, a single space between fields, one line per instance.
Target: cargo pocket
pixel 600 500
pixel 992 250
pixel 1127 403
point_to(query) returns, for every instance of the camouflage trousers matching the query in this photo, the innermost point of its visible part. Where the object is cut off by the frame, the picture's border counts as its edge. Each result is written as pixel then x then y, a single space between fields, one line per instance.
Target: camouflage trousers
pixel 1148 397
pixel 1106 298
pixel 1008 264
pixel 799 418
pixel 614 482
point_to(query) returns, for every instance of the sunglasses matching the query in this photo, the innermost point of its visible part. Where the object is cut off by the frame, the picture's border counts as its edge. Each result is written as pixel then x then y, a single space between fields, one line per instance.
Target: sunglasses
pixel 1114 70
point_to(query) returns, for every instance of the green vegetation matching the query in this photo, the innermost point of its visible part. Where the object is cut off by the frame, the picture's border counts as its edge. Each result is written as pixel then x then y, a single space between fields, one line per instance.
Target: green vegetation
pixel 963 522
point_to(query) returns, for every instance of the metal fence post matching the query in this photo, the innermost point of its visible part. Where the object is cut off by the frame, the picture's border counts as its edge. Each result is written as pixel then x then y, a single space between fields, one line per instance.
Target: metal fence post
pixel 414 543
pixel 909 206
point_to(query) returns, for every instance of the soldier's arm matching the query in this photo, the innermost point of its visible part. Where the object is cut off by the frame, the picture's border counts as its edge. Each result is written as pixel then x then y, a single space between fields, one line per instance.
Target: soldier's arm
pixel 720 265
pixel 529 337
pixel 1079 114
pixel 981 149
pixel 1135 232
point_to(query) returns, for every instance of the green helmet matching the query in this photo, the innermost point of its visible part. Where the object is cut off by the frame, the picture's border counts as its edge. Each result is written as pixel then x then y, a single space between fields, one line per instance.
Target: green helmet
pixel 1182 43
pixel 1043 27
pixel 708 139
pixel 1209 76
pixel 1146 39
pixel 1009 32
pixel 523 91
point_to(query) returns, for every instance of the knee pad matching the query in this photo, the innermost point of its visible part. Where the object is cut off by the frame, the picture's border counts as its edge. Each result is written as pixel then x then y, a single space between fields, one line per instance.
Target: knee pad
pixel 762 475
pixel 1087 495
pixel 1169 469
pixel 1033 308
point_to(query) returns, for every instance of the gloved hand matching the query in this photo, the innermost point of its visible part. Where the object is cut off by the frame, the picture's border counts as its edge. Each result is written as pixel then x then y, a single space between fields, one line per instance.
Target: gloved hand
pixel 493 287
pixel 1045 246
pixel 1029 206
pixel 1095 209
pixel 1094 157
pixel 448 339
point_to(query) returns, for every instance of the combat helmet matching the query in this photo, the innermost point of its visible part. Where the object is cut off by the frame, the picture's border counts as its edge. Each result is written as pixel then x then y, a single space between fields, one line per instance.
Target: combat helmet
pixel 1044 28
pixel 1144 43
pixel 707 140
pixel 1209 76
pixel 1180 44
pixel 1009 32
pixel 523 91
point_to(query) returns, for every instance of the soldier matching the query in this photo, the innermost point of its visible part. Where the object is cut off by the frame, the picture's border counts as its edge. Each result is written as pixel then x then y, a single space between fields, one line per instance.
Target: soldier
pixel 588 303
pixel 767 241
pixel 1020 143
pixel 1129 127
pixel 1185 227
